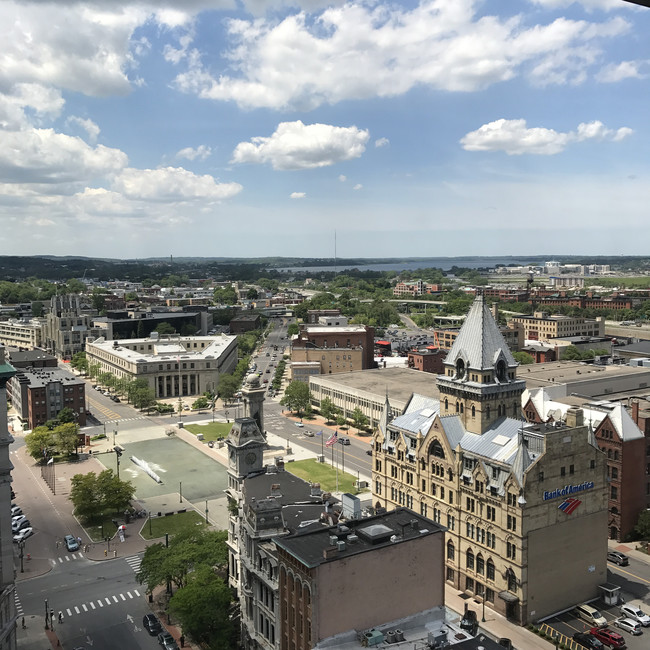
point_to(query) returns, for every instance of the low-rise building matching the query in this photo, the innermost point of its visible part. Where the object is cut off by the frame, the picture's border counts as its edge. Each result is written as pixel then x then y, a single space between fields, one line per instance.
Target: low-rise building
pixel 341 338
pixel 40 394
pixel 427 360
pixel 542 326
pixel 245 323
pixel 173 366
pixel 25 334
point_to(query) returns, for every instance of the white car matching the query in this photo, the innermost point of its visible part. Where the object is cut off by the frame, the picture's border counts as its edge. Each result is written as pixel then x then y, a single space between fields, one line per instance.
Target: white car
pixel 299 424
pixel 629 625
pixel 23 535
pixel 633 612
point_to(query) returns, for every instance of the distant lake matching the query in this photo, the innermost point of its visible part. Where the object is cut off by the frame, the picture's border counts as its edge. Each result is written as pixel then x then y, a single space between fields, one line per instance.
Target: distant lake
pixel 444 263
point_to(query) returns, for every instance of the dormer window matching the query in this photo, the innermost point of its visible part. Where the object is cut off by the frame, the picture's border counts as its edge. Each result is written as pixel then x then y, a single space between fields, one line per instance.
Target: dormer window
pixel 460 369
pixel 502 374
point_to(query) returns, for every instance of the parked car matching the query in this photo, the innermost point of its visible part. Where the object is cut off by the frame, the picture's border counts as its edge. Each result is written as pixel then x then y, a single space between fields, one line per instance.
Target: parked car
pixel 299 424
pixel 166 640
pixel 25 523
pixel 629 625
pixel 151 624
pixel 16 511
pixel 590 615
pixel 16 521
pixel 588 641
pixel 636 614
pixel 308 433
pixel 115 398
pixel 344 440
pixel 23 534
pixel 71 543
pixel 608 637
pixel 369 451
pixel 618 558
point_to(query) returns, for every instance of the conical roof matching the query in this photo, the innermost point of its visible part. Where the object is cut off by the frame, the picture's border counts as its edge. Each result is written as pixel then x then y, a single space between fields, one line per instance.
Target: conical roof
pixel 480 343
pixel 521 461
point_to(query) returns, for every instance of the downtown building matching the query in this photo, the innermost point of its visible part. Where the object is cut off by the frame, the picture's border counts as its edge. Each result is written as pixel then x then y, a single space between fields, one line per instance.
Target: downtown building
pixel 524 504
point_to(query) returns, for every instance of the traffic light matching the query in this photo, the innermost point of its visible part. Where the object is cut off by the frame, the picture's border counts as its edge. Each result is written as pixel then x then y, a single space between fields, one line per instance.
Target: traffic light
pixel 118 450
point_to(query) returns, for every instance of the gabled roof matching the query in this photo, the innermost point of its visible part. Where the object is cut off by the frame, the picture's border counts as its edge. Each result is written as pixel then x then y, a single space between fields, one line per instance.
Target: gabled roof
pixel 479 342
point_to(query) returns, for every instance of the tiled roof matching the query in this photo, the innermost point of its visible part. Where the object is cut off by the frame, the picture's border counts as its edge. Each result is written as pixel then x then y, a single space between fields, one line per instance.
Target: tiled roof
pixel 479 342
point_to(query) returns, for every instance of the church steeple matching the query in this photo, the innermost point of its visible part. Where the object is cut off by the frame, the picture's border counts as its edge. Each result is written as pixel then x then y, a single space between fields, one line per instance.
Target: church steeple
pixel 480 384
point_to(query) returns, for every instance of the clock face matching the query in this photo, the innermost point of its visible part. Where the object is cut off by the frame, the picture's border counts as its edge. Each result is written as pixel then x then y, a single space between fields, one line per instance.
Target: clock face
pixel 250 458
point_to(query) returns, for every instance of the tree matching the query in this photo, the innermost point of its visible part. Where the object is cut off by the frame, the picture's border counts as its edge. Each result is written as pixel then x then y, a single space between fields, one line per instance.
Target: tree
pixel 340 420
pixel 98 298
pixel 40 439
pixel 523 358
pixel 328 409
pixel 79 362
pixel 66 438
pixel 94 494
pixel 66 414
pixel 201 403
pixel 227 387
pixel 252 294
pixel 37 309
pixel 203 609
pixel 359 420
pixel 165 328
pixel 642 527
pixel 296 396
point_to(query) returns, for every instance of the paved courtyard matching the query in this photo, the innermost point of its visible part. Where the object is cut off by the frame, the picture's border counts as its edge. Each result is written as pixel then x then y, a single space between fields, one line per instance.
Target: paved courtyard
pixel 175 462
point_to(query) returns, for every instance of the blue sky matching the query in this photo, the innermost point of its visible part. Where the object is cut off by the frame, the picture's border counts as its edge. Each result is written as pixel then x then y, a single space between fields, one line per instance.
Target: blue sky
pixel 254 128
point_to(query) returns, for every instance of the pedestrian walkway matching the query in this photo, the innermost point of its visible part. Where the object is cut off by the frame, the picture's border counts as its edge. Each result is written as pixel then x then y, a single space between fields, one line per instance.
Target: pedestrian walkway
pixel 94 605
pixel 134 562
pixel 62 559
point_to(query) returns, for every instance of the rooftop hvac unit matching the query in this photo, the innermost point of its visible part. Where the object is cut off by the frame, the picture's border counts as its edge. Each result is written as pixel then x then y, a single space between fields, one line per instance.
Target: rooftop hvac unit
pixel 390 636
pixel 399 635
pixel 373 637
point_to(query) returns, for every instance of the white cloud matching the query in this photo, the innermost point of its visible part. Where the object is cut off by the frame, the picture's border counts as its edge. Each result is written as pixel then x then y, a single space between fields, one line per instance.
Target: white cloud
pixel 382 142
pixel 295 145
pixel 297 195
pixel 91 129
pixel 515 138
pixel 589 5
pixel 615 72
pixel 172 184
pixel 45 156
pixel 359 51
pixel 200 153
pixel 342 178
pixel 358 186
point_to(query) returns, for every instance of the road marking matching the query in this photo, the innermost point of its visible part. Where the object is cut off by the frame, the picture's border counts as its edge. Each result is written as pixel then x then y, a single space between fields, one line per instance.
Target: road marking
pixel 633 575
pixel 84 608
pixel 122 596
pixel 77 610
pixel 92 604
pixel 129 594
pixel 19 607
pixel 115 599
pixel 108 602
pixel 99 602
pixel 137 593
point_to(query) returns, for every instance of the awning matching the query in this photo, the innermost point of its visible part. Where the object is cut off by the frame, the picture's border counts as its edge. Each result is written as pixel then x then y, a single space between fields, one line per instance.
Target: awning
pixel 508 597
pixel 383 343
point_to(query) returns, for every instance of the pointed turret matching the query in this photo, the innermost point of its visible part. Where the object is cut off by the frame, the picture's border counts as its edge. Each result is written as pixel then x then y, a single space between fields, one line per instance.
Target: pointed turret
pixel 480 383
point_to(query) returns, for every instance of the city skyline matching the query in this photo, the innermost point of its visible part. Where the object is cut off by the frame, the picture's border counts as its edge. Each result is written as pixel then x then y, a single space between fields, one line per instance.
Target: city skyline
pixel 415 129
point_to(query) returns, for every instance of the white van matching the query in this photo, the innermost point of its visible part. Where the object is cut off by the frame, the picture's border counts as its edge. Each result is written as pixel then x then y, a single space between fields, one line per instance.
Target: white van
pixel 590 615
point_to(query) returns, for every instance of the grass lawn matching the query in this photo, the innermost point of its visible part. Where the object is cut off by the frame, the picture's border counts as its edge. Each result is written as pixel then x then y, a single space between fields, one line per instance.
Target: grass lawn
pixel 312 470
pixel 211 430
pixel 100 531
pixel 157 526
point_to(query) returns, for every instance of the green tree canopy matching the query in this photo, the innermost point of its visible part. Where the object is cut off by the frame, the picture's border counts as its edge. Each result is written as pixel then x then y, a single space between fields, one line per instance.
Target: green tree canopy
pixel 328 409
pixel 296 396
pixel 227 387
pixel 523 358
pixel 359 420
pixel 40 439
pixel 95 494
pixel 165 328
pixel 203 608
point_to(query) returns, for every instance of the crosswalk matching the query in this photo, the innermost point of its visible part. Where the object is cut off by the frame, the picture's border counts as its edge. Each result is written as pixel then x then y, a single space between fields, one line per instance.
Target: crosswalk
pixel 134 561
pixel 62 559
pixel 100 603
pixel 19 606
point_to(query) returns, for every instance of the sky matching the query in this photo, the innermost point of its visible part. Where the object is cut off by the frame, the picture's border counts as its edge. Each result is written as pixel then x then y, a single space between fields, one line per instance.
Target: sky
pixel 253 128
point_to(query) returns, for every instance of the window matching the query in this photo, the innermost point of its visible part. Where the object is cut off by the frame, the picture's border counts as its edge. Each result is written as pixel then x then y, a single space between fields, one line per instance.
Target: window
pixel 614 472
pixel 613 492
pixel 490 513
pixel 512 581
pixel 470 503
pixel 469 559
pixel 592 464
pixel 571 469
pixel 511 551
pixel 469 584
pixel 450 574
pixel 451 522
pixel 451 550
pixel 480 564
pixel 511 523
pixel 451 496
pixel 489 595
pixel 512 499
pixel 424 486
pixel 562 471
pixel 540 477
pixel 490 570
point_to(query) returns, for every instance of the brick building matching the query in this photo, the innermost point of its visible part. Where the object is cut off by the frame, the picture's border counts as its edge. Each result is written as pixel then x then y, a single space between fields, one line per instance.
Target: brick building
pixel 624 446
pixel 245 323
pixel 427 360
pixel 324 337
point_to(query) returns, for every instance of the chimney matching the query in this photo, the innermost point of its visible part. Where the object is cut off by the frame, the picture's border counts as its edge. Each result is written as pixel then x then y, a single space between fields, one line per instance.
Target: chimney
pixel 575 417
pixel 275 490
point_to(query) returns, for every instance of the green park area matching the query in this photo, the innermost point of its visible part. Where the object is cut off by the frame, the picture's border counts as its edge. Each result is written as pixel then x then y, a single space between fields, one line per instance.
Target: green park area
pixel 211 431
pixel 330 479
pixel 155 527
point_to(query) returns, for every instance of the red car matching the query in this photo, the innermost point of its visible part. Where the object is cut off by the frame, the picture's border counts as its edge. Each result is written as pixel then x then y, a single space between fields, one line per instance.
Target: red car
pixel 608 637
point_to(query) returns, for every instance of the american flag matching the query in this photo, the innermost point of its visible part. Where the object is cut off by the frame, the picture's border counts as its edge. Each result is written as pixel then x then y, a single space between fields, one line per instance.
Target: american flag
pixel 332 439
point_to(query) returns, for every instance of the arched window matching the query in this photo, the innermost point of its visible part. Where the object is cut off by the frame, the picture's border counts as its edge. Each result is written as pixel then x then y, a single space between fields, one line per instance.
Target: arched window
pixel 489 574
pixel 456 407
pixel 451 550
pixel 436 450
pixel 473 411
pixel 446 404
pixel 480 564
pixel 501 370
pixel 461 408
pixel 460 369
pixel 487 412
pixel 515 409
pixel 469 559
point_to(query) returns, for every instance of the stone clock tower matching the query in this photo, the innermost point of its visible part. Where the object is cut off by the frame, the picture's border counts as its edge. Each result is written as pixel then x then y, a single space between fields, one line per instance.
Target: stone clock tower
pixel 245 444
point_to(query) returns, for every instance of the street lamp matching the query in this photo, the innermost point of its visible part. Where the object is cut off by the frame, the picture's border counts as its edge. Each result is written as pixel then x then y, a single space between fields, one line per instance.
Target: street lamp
pixel 21 545
pixel 47 614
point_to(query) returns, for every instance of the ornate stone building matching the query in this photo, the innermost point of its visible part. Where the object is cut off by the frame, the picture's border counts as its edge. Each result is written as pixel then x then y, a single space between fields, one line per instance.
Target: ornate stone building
pixel 525 504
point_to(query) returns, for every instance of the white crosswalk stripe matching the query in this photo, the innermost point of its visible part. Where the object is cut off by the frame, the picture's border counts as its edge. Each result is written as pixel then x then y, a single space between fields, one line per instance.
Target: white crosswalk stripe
pixel 19 607
pixel 134 561
pixel 93 604
pixel 66 558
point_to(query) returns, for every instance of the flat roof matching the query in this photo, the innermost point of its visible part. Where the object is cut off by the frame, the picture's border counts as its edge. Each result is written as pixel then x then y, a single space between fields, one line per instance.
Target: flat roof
pixel 399 383
pixel 39 377
pixel 389 529
pixel 538 375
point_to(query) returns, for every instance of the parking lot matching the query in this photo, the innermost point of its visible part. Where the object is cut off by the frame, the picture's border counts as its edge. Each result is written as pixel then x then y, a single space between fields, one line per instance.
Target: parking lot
pixel 567 624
